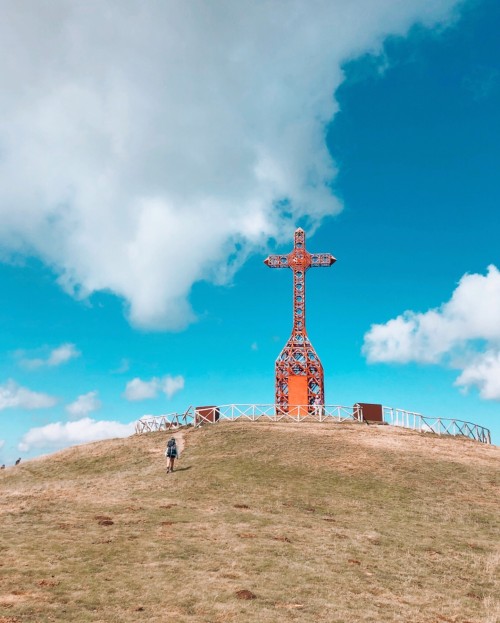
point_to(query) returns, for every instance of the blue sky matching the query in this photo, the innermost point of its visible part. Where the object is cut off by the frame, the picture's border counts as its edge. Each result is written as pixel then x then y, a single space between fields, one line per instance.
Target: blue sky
pixel 141 195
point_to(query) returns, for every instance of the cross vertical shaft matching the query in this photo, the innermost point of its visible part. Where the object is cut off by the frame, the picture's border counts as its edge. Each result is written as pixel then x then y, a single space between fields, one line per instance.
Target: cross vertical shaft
pixel 299 373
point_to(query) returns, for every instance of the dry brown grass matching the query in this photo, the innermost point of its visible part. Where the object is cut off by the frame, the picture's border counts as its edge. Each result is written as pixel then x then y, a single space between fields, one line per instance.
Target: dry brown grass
pixel 262 523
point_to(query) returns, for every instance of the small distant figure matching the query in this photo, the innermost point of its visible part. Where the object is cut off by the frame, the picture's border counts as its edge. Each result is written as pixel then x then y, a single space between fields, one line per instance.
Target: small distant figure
pixel 3 467
pixel 317 404
pixel 171 454
pixel 18 461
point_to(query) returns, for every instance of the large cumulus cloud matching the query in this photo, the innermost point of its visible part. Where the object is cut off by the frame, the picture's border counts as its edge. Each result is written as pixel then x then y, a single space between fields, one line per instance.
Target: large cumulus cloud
pixel 147 145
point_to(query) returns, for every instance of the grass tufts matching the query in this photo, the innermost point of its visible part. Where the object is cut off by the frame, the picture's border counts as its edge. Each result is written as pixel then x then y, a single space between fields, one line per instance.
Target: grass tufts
pixel 261 522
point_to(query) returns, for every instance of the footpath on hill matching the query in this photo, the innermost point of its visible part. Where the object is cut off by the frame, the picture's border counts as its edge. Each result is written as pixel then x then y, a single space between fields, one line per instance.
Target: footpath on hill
pixel 180 441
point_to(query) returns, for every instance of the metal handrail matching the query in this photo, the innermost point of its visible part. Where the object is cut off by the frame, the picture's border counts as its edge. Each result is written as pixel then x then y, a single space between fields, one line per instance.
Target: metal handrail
pixel 437 425
pixel 250 412
pixel 300 413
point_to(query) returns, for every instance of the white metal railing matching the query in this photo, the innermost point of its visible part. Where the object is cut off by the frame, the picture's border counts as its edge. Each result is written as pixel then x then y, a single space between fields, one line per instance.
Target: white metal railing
pixel 274 413
pixel 152 423
pixel 323 413
pixel 437 425
pixel 249 412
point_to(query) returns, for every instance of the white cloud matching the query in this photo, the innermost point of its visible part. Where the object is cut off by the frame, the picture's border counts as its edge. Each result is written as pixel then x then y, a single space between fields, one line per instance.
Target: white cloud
pixel 140 390
pixel 149 145
pixel 60 435
pixel 13 395
pixel 83 405
pixel 2 443
pixel 56 357
pixel 484 374
pixel 464 333
pixel 62 354
pixel 137 389
pixel 170 385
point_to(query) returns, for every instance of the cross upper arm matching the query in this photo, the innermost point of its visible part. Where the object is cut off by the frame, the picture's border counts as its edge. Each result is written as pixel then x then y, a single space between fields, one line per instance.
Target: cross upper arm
pixel 277 261
pixel 322 259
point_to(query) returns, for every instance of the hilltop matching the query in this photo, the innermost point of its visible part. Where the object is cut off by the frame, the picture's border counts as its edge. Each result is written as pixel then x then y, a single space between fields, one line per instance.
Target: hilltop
pixel 324 523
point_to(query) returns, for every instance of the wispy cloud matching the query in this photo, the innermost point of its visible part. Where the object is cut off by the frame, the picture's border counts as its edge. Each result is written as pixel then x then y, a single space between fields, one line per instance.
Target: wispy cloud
pixel 170 385
pixel 463 333
pixel 123 367
pixel 62 434
pixel 483 82
pixel 138 389
pixel 83 405
pixel 14 396
pixel 208 118
pixel 56 357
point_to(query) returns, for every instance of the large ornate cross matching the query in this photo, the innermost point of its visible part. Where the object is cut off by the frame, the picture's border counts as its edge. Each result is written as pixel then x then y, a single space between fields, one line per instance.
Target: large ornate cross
pixel 299 373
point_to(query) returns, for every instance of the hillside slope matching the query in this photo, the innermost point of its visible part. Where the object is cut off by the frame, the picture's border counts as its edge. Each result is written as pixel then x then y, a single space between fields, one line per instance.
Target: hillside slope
pixel 321 522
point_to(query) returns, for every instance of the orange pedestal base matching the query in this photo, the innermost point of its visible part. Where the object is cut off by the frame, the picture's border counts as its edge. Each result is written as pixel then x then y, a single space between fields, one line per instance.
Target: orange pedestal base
pixel 297 396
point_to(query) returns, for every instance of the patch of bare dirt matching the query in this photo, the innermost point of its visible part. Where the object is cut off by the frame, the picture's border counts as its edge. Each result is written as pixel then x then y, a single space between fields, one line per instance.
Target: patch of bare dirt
pixel 287 606
pixel 14 598
pixel 47 583
pixel 283 539
pixel 245 594
pixel 247 535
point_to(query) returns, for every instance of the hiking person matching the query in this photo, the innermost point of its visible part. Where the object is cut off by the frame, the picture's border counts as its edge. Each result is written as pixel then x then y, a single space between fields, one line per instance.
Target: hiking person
pixel 317 405
pixel 171 454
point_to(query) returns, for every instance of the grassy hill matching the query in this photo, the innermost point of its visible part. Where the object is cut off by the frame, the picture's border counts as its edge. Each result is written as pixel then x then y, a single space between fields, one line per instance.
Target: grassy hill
pixel 320 522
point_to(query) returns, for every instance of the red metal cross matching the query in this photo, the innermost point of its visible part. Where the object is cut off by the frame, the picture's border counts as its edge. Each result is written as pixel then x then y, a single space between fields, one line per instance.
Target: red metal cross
pixel 299 373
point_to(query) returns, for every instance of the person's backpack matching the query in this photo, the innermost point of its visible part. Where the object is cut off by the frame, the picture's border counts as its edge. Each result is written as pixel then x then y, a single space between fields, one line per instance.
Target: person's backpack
pixel 171 450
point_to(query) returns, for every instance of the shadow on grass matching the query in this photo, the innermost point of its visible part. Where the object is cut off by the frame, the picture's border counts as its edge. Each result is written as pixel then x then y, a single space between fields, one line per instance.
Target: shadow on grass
pixel 182 469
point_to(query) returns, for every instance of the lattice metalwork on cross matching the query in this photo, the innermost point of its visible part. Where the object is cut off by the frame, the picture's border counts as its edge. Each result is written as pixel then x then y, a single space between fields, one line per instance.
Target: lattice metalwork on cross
pixel 299 373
